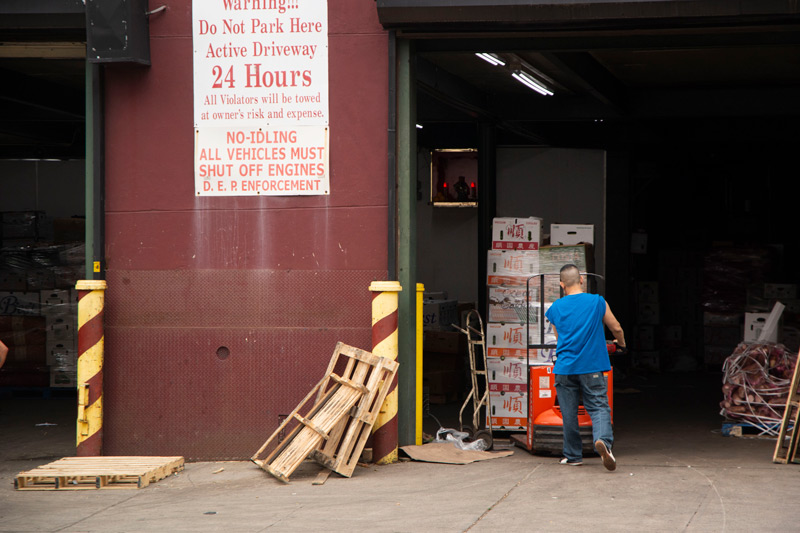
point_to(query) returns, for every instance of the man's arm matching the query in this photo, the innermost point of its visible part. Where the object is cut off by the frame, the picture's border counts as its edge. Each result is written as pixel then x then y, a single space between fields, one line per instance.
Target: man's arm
pixel 614 326
pixel 3 353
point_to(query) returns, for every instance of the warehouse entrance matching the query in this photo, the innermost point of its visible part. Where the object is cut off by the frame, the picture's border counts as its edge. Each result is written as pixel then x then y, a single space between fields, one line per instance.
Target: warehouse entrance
pixel 42 206
pixel 676 124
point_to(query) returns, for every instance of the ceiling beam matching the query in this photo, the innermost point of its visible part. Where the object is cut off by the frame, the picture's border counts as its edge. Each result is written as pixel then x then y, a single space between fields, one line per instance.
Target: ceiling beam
pixel 453 92
pixel 38 50
pixel 567 108
pixel 582 70
pixel 770 101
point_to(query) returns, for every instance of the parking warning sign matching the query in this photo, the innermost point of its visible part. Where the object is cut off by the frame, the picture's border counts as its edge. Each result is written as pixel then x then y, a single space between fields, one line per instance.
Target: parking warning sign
pixel 261 97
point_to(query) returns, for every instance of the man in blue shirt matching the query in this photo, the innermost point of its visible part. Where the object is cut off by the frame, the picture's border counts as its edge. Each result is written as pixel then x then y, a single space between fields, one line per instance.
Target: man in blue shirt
pixel 581 358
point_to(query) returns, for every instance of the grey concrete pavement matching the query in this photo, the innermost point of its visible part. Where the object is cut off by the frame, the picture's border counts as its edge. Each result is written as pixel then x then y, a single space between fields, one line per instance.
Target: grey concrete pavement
pixel 676 473
pixel 648 492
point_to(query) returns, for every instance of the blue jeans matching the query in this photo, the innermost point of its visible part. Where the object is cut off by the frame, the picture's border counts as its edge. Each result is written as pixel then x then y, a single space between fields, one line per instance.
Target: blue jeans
pixel 593 387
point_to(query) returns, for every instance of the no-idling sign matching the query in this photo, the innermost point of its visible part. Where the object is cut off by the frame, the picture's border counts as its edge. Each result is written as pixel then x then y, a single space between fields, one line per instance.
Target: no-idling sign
pixel 275 161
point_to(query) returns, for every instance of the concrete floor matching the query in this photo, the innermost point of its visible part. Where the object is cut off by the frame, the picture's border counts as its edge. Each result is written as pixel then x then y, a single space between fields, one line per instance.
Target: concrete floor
pixel 676 473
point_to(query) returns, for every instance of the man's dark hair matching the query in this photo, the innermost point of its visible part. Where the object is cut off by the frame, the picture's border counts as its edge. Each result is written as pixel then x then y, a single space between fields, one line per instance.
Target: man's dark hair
pixel 570 275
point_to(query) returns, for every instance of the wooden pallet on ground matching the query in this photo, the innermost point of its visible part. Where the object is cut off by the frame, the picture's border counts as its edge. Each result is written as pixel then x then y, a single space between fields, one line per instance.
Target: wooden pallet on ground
pixel 747 429
pixel 112 472
pixel 336 399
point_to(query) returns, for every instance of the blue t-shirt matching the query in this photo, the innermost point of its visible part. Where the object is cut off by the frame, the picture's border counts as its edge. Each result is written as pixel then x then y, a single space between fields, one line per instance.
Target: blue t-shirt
pixel 581 346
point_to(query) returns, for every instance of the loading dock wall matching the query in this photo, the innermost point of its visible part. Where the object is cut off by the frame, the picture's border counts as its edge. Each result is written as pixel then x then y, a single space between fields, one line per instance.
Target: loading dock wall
pixel 221 313
pixel 556 184
pixel 559 185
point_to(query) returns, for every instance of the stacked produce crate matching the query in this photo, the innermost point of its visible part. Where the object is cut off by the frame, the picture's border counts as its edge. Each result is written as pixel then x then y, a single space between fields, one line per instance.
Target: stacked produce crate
pixel 40 261
pixel 517 255
pixel 60 310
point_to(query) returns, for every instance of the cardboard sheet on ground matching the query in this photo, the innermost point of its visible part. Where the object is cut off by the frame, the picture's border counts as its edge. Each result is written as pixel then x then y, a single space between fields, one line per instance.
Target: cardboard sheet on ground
pixel 445 452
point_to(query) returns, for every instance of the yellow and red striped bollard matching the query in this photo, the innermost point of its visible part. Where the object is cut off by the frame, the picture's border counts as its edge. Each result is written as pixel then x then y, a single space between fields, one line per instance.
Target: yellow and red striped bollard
pixel 384 344
pixel 91 296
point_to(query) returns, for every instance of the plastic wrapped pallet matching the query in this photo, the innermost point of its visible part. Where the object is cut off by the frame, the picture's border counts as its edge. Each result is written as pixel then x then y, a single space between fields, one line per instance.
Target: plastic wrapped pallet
pixel 755 384
pixel 552 258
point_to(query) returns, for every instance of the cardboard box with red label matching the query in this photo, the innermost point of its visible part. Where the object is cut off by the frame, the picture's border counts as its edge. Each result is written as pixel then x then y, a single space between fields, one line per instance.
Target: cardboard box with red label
pixel 510 233
pixel 508 410
pixel 507 374
pixel 511 268
pixel 511 340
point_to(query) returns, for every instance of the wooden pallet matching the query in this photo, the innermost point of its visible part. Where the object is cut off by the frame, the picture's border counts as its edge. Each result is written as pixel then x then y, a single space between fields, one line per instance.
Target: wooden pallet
pixel 786 447
pixel 336 399
pixel 81 473
pixel 341 452
pixel 746 429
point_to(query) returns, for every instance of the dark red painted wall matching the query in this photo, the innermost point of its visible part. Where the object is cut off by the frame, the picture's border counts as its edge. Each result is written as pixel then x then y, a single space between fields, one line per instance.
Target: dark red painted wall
pixel 278 281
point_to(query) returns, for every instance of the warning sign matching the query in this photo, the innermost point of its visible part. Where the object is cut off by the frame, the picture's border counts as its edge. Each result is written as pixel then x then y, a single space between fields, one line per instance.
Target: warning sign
pixel 261 97
pixel 276 161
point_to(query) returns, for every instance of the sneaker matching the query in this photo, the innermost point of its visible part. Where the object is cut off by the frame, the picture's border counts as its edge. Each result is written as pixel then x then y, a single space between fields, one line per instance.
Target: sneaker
pixel 608 458
pixel 571 462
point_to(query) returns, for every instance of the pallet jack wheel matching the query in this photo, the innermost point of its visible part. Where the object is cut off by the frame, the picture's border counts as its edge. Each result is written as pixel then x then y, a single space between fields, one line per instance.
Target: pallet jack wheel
pixel 486 436
pixel 469 431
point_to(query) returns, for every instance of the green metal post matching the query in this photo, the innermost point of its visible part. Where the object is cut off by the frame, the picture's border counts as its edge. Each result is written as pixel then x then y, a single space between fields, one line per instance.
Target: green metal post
pixel 94 163
pixel 487 204
pixel 406 240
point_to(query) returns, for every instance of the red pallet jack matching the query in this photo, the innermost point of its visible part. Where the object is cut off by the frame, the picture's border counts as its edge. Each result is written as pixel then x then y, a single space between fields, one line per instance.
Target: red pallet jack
pixel 545 423
pixel 545 432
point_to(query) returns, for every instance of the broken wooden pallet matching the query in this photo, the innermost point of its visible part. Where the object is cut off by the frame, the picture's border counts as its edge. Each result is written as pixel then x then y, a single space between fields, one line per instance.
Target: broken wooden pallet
pixel 342 450
pixel 338 398
pixel 112 472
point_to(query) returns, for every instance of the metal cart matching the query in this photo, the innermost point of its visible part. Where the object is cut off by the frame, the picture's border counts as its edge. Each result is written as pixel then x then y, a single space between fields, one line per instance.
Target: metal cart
pixel 476 338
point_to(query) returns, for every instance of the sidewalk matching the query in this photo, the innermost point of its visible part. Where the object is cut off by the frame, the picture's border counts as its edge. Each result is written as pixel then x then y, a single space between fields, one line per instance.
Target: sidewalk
pixel 662 490
pixel 676 473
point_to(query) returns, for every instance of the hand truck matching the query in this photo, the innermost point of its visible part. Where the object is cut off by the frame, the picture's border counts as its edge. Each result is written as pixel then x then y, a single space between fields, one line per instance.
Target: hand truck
pixel 476 337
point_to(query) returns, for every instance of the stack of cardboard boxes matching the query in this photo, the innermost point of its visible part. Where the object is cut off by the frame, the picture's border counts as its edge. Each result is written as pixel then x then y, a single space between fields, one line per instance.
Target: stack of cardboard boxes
pixel 706 303
pixel 40 262
pixel 515 267
pixel 648 356
pixel 444 348
pixel 60 310
pixel 761 299
pixel 737 298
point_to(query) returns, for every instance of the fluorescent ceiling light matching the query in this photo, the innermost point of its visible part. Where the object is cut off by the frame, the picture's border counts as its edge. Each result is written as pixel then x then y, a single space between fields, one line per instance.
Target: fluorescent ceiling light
pixel 419 126
pixel 494 59
pixel 532 83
